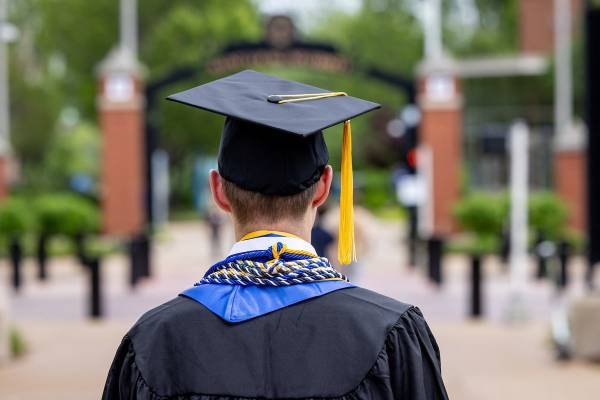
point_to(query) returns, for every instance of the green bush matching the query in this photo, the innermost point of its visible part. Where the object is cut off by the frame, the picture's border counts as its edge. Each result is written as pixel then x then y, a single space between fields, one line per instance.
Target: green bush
pixel 473 245
pixel 15 218
pixel 481 213
pixel 483 216
pixel 376 191
pixel 66 214
pixel 548 215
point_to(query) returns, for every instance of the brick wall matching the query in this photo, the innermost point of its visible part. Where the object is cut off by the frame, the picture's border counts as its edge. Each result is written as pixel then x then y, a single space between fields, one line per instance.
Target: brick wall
pixel 536 24
pixel 570 172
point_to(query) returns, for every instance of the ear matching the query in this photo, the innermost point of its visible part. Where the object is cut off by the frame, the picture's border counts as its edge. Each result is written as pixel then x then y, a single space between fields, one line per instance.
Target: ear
pixel 216 188
pixel 323 187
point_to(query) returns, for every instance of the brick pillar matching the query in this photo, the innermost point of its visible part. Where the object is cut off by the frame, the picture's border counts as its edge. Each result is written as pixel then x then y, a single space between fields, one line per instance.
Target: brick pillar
pixel 536 24
pixel 570 174
pixel 439 97
pixel 121 118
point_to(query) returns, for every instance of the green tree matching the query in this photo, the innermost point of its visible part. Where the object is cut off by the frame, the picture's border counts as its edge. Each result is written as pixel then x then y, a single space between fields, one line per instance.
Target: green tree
pixel 34 109
pixel 384 34
pixel 81 33
pixel 493 30
pixel 189 32
pixel 63 41
pixel 74 151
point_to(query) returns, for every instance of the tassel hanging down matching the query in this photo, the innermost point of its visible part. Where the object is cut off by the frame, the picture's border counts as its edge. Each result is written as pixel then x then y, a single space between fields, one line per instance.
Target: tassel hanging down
pixel 346 247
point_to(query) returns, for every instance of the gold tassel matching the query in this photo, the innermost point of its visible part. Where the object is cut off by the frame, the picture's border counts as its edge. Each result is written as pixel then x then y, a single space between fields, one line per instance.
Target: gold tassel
pixel 346 249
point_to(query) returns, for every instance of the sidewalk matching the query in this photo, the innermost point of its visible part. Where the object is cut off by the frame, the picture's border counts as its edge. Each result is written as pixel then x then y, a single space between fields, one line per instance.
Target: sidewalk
pixel 70 355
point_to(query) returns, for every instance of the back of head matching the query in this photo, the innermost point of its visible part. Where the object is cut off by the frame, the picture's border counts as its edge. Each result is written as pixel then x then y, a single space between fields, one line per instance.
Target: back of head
pixel 269 175
pixel 251 207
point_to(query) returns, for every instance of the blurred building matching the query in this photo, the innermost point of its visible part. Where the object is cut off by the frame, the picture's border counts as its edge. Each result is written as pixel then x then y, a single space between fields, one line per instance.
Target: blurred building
pixel 519 87
pixel 536 25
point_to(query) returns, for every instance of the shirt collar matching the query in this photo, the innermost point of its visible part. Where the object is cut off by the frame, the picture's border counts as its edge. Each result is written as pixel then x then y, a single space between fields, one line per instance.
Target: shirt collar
pixel 261 240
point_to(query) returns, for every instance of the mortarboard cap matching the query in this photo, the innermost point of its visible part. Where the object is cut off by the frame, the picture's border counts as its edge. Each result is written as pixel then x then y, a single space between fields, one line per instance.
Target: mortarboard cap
pixel 272 140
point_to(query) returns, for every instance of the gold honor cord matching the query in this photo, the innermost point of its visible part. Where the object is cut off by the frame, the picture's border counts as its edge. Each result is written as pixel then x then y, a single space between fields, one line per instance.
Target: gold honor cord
pixel 346 246
pixel 291 98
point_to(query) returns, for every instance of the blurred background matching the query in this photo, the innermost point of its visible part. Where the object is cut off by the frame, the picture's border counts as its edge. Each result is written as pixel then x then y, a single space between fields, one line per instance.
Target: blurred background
pixel 477 189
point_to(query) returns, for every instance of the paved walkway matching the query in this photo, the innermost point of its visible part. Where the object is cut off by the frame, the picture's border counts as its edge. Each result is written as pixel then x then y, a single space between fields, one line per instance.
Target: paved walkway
pixel 69 355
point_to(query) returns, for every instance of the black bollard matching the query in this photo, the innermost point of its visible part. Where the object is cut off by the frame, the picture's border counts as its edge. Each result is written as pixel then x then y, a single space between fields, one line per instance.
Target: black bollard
pixel 505 247
pixel 476 303
pixel 542 262
pixel 139 256
pixel 564 252
pixel 15 250
pixel 79 242
pixel 42 256
pixel 95 288
pixel 145 269
pixel 134 262
pixel 435 249
pixel 412 236
pixel 542 270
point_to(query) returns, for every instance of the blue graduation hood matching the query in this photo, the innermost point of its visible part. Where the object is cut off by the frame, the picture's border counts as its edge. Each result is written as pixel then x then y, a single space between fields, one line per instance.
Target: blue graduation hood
pixel 236 303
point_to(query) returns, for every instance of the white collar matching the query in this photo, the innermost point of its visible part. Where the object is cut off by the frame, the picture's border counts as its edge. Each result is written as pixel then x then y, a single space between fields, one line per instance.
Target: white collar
pixel 264 242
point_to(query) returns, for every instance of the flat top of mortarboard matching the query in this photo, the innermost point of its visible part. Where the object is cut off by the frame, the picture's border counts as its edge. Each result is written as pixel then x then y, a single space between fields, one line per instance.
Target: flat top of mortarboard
pixel 252 96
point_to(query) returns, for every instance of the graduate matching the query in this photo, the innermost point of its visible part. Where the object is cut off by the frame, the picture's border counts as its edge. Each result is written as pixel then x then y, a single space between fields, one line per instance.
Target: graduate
pixel 272 319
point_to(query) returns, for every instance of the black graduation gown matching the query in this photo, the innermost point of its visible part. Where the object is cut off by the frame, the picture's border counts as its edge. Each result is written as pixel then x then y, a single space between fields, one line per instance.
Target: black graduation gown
pixel 348 344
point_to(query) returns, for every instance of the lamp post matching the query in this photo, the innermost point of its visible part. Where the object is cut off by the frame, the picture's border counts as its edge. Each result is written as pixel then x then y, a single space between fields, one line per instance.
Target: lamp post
pixel 432 24
pixel 8 33
pixel 563 87
pixel 128 25
pixel 519 171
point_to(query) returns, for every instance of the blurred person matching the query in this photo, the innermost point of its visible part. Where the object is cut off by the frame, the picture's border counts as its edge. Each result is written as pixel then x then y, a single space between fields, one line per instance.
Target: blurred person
pixel 214 218
pixel 274 320
pixel 363 220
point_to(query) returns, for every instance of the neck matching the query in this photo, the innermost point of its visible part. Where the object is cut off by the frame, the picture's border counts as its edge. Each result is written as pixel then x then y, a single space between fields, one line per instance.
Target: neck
pixel 297 228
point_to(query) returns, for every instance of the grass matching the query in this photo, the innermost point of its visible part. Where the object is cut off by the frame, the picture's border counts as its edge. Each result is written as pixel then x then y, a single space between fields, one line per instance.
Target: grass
pixel 473 245
pixel 391 213
pixel 18 345
pixel 184 214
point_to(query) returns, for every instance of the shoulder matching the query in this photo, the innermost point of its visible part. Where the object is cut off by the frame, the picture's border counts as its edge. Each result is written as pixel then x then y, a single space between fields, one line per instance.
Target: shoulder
pixel 173 314
pixel 402 320
pixel 373 300
pixel 372 316
pixel 167 311
pixel 366 305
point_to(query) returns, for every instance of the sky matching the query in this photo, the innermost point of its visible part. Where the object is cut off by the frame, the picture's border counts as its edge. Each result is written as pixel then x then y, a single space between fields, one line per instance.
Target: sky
pixel 307 12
